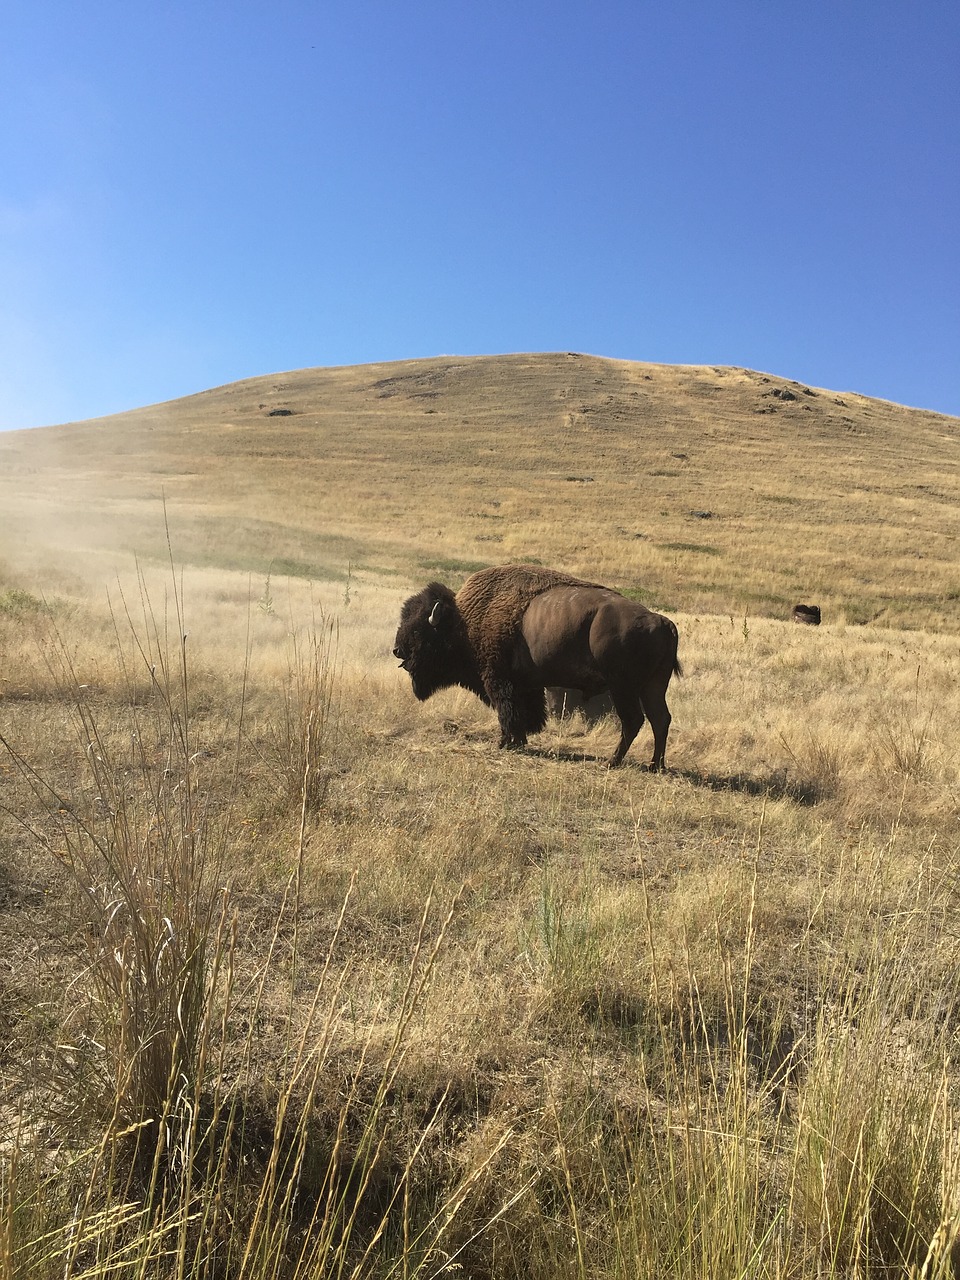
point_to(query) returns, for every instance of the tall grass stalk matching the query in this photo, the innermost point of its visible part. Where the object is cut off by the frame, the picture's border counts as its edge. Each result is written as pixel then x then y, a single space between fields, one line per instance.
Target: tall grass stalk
pixel 871 1174
pixel 301 740
pixel 146 853
pixel 199 1170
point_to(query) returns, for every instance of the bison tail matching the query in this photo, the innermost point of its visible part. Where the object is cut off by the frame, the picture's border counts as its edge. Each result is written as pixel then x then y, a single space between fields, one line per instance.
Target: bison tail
pixel 677 668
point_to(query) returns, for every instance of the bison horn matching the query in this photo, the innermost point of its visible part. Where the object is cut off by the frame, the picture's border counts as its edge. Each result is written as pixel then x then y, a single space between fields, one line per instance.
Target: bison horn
pixel 434 619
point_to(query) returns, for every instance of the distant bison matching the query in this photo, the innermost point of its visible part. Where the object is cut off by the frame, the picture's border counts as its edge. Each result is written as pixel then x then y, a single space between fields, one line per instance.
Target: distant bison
pixel 564 702
pixel 807 614
pixel 511 631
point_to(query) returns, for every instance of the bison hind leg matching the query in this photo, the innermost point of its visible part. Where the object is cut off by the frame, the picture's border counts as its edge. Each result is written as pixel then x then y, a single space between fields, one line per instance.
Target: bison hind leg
pixel 655 705
pixel 631 722
pixel 626 703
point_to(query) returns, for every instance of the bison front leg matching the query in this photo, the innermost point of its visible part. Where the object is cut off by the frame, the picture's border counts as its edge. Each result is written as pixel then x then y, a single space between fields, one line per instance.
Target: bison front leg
pixel 502 695
pixel 520 710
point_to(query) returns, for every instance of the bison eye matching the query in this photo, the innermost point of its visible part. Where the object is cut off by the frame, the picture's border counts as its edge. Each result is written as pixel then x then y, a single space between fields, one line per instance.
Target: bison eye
pixel 397 654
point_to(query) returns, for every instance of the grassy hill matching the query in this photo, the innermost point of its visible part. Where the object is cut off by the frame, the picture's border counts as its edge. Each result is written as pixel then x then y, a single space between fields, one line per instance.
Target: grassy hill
pixel 303 978
pixel 702 488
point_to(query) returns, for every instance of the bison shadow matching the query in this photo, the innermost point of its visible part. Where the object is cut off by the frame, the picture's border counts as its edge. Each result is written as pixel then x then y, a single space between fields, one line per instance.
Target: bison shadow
pixel 562 753
pixel 570 756
pixel 777 786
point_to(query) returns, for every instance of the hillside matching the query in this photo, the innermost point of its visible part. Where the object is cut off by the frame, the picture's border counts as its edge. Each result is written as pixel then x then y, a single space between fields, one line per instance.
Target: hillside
pixel 304 978
pixel 713 489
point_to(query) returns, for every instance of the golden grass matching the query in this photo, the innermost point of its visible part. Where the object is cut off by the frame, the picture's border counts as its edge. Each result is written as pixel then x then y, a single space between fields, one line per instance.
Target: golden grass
pixel 791 876
pixel 702 487
pixel 446 1010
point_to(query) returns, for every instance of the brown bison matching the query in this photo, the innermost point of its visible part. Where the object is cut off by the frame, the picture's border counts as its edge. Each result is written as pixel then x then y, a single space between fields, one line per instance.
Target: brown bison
pixel 806 614
pixel 511 631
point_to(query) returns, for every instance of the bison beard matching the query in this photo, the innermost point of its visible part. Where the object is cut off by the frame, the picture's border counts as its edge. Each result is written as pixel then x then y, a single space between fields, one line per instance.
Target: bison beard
pixel 511 631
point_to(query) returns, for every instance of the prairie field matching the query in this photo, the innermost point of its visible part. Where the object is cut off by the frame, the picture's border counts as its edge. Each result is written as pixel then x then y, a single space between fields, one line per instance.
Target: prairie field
pixel 303 978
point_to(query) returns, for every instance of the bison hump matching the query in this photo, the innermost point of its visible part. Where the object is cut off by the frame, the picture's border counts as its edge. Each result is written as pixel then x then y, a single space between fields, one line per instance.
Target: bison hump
pixel 493 602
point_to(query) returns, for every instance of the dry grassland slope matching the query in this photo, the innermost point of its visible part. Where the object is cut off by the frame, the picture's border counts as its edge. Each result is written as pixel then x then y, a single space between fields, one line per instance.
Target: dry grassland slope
pixel 304 978
pixel 703 488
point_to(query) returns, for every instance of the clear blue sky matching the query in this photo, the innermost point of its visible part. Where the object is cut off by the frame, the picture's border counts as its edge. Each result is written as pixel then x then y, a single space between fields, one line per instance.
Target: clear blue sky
pixel 195 191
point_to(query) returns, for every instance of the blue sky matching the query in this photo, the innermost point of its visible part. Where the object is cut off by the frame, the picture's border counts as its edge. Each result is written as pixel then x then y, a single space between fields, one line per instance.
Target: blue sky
pixel 195 192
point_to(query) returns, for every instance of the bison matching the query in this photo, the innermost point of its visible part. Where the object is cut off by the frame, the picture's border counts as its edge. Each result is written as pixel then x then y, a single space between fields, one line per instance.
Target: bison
pixel 806 614
pixel 511 631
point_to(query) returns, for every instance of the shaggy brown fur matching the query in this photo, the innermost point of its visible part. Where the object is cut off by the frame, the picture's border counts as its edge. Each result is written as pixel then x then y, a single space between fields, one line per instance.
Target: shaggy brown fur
pixel 513 630
pixel 493 602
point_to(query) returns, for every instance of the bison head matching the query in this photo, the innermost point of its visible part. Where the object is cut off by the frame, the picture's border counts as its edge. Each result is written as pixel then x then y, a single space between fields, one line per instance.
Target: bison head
pixel 432 643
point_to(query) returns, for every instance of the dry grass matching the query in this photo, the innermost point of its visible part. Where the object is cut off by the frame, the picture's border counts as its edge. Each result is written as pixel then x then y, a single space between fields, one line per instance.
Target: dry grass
pixel 703 487
pixel 304 978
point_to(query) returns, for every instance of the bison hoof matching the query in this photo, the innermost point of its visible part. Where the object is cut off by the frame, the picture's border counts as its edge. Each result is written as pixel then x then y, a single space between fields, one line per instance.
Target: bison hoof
pixel 512 744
